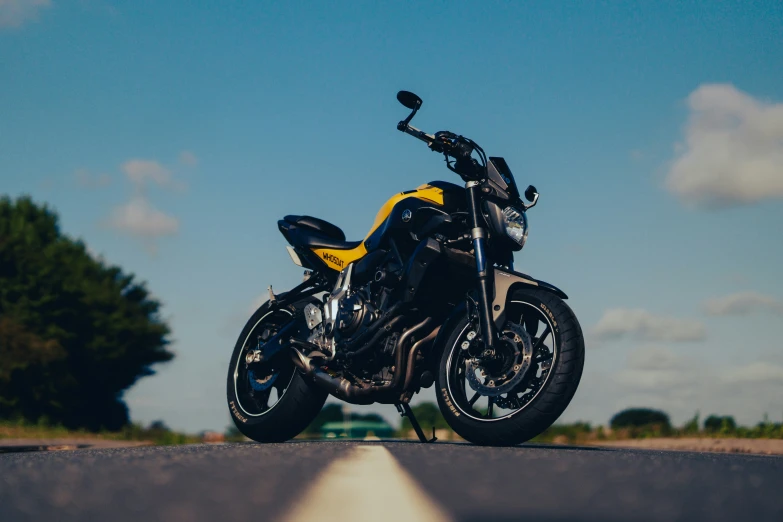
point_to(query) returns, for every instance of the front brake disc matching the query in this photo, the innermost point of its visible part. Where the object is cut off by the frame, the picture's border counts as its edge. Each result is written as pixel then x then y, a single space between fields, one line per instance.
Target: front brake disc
pixel 521 353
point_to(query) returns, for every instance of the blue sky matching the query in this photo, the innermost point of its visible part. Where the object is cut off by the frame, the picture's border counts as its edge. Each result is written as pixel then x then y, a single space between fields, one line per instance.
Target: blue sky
pixel 171 136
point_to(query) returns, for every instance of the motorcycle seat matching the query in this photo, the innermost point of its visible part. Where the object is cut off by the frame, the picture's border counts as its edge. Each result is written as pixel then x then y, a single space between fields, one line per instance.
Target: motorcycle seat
pixel 320 225
pixel 311 232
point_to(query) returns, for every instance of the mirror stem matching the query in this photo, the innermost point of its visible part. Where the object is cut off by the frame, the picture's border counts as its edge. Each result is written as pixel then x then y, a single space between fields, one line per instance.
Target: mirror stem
pixel 407 120
pixel 532 204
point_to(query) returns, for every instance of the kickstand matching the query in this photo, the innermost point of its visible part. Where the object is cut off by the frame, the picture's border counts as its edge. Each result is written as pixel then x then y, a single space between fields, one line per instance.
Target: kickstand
pixel 405 411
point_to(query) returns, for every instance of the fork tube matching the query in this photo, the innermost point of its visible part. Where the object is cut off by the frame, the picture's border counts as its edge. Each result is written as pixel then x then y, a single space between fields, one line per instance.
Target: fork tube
pixel 483 268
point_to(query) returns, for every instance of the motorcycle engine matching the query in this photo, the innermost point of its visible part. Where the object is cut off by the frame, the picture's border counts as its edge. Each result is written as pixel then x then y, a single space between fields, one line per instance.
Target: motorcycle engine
pixel 347 311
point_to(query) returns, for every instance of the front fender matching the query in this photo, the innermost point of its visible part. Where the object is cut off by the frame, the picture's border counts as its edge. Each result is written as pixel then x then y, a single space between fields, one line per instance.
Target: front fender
pixel 505 280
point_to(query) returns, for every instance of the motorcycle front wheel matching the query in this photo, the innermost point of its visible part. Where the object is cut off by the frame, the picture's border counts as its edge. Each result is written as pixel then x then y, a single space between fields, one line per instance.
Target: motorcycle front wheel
pixel 519 391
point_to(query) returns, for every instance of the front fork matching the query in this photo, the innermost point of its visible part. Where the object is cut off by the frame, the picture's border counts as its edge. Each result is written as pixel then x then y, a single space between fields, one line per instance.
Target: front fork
pixel 483 267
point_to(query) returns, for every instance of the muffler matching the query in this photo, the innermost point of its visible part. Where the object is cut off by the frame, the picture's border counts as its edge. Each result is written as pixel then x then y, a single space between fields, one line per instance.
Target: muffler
pixel 337 386
pixel 341 387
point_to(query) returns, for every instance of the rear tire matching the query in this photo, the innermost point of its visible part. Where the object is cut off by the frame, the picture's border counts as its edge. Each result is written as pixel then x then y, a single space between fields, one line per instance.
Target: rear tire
pixel 298 401
pixel 548 402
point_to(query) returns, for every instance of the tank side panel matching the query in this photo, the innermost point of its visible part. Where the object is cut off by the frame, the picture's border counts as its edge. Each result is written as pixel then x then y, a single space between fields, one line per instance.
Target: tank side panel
pixel 339 259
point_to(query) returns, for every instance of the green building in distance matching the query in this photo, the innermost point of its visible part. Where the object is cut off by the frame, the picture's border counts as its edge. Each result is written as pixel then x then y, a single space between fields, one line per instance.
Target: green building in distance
pixel 356 430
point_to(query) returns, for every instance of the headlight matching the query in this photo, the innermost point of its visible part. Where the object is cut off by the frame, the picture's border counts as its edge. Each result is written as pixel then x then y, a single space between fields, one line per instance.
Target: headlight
pixel 515 223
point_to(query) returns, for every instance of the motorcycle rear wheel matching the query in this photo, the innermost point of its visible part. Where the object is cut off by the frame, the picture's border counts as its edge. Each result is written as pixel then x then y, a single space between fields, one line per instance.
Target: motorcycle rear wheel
pixel 276 411
pixel 541 396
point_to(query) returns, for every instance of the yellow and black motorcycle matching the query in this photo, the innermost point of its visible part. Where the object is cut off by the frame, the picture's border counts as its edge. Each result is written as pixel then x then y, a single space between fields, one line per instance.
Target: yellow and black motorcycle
pixel 429 296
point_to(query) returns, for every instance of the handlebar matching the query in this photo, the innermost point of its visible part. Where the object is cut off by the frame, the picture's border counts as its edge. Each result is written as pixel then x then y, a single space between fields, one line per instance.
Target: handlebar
pixel 444 142
pixel 450 144
pixel 416 133
pixel 447 143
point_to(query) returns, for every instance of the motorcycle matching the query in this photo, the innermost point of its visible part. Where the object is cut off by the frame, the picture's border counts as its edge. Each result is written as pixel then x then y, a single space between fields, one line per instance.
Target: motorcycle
pixel 429 296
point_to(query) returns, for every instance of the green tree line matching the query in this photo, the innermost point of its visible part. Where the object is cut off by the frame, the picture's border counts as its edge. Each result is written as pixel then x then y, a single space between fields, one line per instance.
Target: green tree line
pixel 75 332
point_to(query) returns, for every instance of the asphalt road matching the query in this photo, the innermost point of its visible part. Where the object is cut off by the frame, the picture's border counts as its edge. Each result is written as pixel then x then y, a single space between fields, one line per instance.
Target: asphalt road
pixel 332 480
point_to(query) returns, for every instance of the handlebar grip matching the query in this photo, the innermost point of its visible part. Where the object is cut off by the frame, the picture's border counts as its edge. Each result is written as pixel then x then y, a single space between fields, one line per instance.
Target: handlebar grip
pixel 416 133
pixel 454 145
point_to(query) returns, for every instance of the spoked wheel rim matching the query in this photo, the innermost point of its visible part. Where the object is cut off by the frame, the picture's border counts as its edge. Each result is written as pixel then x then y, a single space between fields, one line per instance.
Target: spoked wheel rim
pixel 533 329
pixel 259 386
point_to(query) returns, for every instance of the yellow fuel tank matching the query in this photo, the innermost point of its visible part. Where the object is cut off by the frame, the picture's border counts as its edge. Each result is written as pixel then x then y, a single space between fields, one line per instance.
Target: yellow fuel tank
pixel 339 259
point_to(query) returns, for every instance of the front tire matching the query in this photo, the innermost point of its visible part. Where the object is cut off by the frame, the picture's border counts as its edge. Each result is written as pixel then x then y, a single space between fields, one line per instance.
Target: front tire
pixel 555 355
pixel 285 408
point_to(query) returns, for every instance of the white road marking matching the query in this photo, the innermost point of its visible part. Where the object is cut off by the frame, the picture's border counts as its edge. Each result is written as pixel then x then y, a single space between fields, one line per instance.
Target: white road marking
pixel 367 484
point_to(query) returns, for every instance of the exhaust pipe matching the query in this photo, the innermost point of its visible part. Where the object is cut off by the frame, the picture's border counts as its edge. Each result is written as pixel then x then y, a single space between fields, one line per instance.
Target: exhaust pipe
pixel 345 389
pixel 414 352
pixel 338 386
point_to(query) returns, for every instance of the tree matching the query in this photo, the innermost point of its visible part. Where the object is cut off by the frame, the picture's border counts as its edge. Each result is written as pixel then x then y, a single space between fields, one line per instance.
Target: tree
pixel 639 417
pixel 158 425
pixel 716 423
pixel 692 426
pixel 75 333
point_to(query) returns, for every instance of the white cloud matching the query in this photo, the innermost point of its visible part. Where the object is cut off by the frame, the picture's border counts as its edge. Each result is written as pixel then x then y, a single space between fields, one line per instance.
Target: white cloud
pixel 733 151
pixel 88 180
pixel 742 303
pixel 141 172
pixel 681 385
pixel 653 367
pixel 14 13
pixel 756 372
pixel 187 157
pixel 139 218
pixel 647 380
pixel 652 357
pixel 641 324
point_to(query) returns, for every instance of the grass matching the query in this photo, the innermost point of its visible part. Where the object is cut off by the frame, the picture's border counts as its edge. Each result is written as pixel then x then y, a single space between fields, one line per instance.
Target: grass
pixel 580 432
pixel 157 434
pixel 576 433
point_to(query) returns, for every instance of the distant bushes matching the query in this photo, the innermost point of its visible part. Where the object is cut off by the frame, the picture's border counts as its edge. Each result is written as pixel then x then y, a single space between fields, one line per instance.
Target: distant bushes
pixel 641 422
pixel 715 424
pixel 648 423
pixel 640 417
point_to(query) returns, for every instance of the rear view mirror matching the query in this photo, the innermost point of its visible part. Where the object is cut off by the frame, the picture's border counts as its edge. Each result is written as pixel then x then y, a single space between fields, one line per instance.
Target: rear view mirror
pixel 531 194
pixel 409 100
pixel 412 102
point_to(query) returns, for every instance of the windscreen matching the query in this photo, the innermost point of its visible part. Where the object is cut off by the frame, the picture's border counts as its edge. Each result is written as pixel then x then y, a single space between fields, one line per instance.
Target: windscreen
pixel 498 171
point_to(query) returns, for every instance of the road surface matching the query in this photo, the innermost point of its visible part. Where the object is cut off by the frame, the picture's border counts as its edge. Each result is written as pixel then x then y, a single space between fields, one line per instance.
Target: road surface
pixel 400 481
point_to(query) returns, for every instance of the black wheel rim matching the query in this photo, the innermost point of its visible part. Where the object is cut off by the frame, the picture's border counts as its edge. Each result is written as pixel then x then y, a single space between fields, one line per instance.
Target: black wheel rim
pixel 545 351
pixel 259 386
